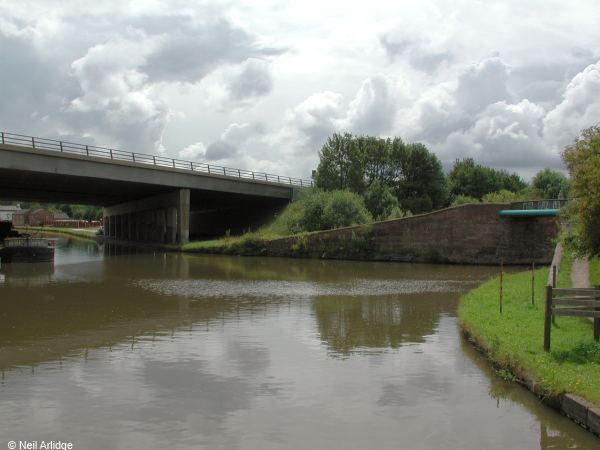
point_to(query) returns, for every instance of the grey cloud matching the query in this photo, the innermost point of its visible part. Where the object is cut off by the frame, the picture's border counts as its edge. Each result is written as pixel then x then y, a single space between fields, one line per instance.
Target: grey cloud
pixel 441 113
pixel 482 85
pixel 373 109
pixel 417 52
pixel 254 80
pixel 314 119
pixel 238 134
pixel 220 150
pixel 579 107
pixel 27 97
pixel 102 83
pixel 393 47
pixel 189 50
pixel 545 82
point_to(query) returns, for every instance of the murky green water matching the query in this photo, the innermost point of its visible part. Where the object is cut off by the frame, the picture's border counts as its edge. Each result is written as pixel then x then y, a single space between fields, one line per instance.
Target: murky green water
pixel 154 350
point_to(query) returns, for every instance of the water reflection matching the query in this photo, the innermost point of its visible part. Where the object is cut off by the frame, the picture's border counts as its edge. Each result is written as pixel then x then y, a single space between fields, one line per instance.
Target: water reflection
pixel 168 350
pixel 347 324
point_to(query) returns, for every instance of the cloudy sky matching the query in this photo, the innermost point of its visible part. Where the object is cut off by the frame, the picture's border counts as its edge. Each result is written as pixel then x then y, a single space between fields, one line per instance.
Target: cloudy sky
pixel 261 84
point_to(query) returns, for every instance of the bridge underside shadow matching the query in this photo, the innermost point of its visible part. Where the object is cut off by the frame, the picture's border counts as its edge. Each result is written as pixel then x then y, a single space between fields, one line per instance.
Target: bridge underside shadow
pixel 155 205
pixel 181 215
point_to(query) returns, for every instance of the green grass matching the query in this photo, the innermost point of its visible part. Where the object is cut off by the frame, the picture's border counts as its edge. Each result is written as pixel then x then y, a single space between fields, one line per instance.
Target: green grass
pixel 84 234
pixel 595 271
pixel 514 340
pixel 563 279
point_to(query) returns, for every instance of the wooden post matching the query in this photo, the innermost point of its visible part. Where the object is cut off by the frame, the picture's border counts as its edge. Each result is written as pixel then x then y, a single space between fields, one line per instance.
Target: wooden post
pixel 533 283
pixel 597 327
pixel 554 286
pixel 548 318
pixel 501 279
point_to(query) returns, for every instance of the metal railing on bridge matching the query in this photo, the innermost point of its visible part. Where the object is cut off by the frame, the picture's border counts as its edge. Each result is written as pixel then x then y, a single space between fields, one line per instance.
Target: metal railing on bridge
pixel 145 159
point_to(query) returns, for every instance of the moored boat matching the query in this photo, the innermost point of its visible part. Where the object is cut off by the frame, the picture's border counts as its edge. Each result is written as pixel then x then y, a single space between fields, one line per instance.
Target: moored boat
pixel 27 249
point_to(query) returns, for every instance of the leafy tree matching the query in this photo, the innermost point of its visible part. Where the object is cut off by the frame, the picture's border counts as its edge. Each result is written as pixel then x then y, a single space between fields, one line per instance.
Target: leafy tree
pixel 583 161
pixel 380 200
pixel 421 185
pixel 551 184
pixel 341 164
pixel 475 180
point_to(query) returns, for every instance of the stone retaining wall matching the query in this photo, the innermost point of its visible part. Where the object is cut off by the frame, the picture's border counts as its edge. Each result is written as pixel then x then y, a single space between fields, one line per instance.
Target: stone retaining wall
pixel 466 234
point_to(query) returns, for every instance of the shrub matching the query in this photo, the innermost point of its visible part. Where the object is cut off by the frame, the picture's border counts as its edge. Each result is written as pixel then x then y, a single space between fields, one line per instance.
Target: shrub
pixel 463 200
pixel 398 213
pixel 319 210
pixel 501 196
pixel 340 209
pixel 380 200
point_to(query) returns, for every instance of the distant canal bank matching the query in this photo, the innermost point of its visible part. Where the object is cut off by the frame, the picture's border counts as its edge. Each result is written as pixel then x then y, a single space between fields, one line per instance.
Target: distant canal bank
pixel 82 233
pixel 168 349
pixel 466 234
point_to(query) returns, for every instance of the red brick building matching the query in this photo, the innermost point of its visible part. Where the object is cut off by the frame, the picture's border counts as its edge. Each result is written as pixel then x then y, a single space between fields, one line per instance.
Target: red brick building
pixel 34 217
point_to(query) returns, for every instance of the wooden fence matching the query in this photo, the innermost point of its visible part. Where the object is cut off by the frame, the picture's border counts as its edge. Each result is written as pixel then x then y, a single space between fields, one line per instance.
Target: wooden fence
pixel 575 302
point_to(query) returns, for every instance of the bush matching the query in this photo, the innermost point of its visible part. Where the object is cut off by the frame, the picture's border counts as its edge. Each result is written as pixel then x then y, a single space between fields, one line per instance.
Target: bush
pixel 319 210
pixel 502 196
pixel 398 213
pixel 339 209
pixel 463 200
pixel 380 200
pixel 583 161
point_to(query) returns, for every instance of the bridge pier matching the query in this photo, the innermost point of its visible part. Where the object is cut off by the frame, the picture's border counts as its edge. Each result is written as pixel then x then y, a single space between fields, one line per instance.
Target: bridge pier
pixel 160 219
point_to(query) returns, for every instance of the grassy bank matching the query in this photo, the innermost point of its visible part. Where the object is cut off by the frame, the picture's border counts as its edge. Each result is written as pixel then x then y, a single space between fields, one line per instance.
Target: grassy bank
pixel 84 234
pixel 595 271
pixel 514 340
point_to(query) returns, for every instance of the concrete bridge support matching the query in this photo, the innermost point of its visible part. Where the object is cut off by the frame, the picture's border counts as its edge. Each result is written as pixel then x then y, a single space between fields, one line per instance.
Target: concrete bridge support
pixel 160 219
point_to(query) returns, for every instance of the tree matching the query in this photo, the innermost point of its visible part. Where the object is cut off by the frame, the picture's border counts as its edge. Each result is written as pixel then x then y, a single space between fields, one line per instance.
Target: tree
pixel 367 164
pixel 341 164
pixel 474 180
pixel 323 210
pixel 421 185
pixel 583 161
pixel 380 200
pixel 551 184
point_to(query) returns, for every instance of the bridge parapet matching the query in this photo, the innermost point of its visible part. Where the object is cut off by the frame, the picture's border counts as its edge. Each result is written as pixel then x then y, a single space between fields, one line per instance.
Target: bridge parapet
pixel 540 204
pixel 145 160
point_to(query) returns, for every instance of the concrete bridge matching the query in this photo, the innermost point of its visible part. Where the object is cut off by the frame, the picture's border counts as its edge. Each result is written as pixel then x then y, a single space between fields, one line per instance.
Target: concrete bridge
pixel 146 198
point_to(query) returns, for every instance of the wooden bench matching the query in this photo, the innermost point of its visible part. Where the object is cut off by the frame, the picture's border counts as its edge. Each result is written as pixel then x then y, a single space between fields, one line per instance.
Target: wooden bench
pixel 575 302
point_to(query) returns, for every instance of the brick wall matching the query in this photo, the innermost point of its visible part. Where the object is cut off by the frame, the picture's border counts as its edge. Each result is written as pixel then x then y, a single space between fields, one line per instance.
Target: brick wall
pixel 466 234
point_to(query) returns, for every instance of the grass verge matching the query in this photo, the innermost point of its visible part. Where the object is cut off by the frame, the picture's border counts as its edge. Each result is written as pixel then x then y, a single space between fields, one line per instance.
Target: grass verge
pixel 595 271
pixel 84 234
pixel 514 340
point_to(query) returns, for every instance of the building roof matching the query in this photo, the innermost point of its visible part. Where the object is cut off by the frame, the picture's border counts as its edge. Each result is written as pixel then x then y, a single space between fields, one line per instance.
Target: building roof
pixel 10 208
pixel 61 216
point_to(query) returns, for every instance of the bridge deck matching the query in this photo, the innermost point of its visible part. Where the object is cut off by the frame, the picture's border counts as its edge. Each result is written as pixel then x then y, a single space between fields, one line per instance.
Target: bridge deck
pixel 146 160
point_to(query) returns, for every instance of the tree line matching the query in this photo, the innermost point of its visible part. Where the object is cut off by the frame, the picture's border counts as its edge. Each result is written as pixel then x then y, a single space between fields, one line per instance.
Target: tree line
pixel 395 178
pixel 79 212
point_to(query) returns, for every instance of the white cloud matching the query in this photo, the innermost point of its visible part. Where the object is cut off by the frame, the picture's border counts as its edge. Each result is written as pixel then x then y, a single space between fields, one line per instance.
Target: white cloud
pixel 265 84
pixel 579 108
pixel 193 152
pixel 373 108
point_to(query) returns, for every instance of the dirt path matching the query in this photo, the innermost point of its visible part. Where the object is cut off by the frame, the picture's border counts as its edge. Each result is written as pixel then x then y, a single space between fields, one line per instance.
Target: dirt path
pixel 580 273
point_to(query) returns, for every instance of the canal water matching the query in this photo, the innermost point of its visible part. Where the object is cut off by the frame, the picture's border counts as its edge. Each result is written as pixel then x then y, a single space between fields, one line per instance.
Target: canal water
pixel 112 349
